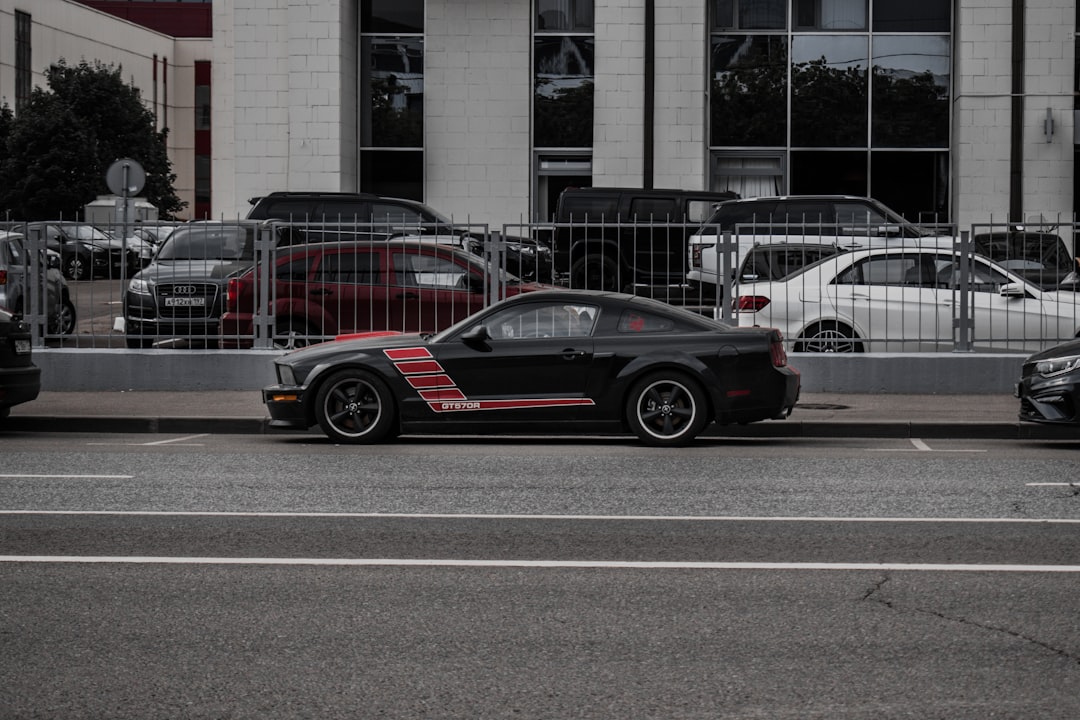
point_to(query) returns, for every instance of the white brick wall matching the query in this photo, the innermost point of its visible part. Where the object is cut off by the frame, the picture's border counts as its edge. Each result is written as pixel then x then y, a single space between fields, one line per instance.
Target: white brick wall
pixel 619 103
pixel 982 123
pixel 681 136
pixel 477 110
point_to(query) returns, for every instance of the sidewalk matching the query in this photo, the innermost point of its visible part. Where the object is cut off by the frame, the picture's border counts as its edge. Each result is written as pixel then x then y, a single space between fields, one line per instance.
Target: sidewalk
pixel 816 415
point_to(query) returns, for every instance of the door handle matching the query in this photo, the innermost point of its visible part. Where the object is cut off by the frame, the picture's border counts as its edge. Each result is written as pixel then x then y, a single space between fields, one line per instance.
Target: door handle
pixel 572 354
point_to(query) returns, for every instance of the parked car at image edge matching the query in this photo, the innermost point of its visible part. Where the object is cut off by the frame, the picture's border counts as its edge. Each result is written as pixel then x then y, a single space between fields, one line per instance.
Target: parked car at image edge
pixel 1049 386
pixel 16 282
pixel 325 289
pixel 902 300
pixel 20 378
pixel 550 361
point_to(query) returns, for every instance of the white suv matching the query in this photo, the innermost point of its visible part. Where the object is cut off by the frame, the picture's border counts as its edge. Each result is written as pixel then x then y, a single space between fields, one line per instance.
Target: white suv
pixel 847 222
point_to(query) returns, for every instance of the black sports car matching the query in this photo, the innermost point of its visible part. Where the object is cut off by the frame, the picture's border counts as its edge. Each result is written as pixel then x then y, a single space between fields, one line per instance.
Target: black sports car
pixel 548 361
pixel 20 378
pixel 1049 387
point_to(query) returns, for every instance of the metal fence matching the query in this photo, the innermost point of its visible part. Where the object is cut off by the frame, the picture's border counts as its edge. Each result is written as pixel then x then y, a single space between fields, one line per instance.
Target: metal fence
pixel 240 284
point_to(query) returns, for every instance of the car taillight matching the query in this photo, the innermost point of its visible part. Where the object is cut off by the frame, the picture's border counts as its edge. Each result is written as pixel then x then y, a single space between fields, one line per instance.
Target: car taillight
pixel 3 277
pixel 751 303
pixel 232 294
pixel 776 350
pixel 695 253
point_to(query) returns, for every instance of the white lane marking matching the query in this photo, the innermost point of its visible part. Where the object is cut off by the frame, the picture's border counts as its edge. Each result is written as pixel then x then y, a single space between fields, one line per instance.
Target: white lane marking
pixel 68 477
pixel 605 564
pixel 496 516
pixel 1049 484
pixel 921 446
pixel 173 441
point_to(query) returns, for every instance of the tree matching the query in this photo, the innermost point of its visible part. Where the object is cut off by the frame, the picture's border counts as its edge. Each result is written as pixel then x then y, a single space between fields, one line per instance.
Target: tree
pixel 61 143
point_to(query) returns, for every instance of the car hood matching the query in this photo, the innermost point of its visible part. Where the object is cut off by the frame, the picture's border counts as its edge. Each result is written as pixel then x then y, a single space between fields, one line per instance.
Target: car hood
pixel 1064 350
pixel 167 270
pixel 375 342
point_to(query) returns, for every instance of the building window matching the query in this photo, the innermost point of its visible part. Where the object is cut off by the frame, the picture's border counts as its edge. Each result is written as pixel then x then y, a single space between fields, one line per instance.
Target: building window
pixel 564 16
pixel 23 78
pixel 839 96
pixel 203 141
pixel 392 98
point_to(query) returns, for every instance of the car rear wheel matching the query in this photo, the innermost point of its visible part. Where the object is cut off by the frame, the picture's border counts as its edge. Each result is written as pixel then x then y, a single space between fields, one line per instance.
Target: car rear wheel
pixel 828 336
pixel 595 272
pixel 290 334
pixel 666 409
pixel 355 406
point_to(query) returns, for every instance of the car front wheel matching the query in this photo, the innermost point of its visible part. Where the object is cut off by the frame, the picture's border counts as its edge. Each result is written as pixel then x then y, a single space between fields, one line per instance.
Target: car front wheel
pixel 76 268
pixel 666 409
pixel 355 406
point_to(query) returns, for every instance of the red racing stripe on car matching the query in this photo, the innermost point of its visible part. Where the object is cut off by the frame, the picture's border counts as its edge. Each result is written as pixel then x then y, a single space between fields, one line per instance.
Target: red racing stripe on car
pixel 408 353
pixel 413 367
pixel 477 405
pixel 430 381
pixel 442 394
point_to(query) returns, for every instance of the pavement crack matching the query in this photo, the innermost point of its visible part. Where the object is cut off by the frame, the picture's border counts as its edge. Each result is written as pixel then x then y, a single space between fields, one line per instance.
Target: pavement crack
pixel 873 594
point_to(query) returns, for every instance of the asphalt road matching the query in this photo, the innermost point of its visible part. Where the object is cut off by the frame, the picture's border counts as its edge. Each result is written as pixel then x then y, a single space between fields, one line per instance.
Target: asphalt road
pixel 212 576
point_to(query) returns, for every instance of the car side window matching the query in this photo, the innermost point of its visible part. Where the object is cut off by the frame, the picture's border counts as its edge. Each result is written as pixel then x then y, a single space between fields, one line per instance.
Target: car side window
pixel 983 277
pixel 857 215
pixel 654 210
pixel 591 209
pixel 296 270
pixel 898 270
pixel 430 271
pixel 543 320
pixel 349 268
pixel 395 215
pixel 343 211
pixel 637 321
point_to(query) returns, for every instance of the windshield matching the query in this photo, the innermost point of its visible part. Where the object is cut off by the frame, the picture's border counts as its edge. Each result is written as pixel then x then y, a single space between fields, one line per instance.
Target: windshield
pixel 87 232
pixel 219 242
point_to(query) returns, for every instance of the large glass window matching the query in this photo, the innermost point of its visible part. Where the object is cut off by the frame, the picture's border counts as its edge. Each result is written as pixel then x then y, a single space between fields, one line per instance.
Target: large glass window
pixel 564 16
pixel 23 78
pixel 911 91
pixel 748 103
pixel 563 101
pixel 833 96
pixel 392 97
pixel 828 90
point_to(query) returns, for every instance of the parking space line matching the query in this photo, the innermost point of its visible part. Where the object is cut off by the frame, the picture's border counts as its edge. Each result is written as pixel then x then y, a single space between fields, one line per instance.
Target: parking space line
pixel 921 446
pixel 540 564
pixel 70 477
pixel 172 441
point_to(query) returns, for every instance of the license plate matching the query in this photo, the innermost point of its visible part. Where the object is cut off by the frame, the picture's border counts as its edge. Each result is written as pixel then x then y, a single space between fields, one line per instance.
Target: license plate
pixel 22 347
pixel 185 302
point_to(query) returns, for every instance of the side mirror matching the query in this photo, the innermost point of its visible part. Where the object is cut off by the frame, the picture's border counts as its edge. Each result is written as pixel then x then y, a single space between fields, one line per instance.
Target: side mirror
pixel 477 335
pixel 1012 290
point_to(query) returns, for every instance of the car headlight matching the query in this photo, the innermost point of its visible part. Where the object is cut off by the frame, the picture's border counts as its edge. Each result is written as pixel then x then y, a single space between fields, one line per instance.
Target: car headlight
pixel 521 249
pixel 285 375
pixel 1057 366
pixel 138 285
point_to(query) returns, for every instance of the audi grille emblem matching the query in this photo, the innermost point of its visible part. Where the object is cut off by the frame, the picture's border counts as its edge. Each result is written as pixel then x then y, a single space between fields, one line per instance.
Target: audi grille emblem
pixel 184 290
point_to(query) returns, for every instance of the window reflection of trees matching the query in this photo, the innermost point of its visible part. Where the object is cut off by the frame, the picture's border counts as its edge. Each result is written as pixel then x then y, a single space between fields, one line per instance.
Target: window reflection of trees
pixel 911 91
pixel 396 92
pixel 563 92
pixel 749 97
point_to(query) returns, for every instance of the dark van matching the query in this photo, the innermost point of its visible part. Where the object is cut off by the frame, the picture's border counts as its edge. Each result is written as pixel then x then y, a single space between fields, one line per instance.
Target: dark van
pixel 616 238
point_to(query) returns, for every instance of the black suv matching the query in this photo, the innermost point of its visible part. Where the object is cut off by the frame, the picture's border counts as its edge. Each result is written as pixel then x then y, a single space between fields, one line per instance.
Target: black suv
pixel 614 238
pixel 389 217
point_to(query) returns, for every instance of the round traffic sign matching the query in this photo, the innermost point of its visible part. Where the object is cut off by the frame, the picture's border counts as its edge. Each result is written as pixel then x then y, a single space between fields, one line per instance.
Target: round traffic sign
pixel 125 177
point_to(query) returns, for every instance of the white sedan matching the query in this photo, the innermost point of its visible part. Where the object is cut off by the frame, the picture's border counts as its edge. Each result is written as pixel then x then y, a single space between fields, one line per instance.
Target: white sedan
pixel 905 300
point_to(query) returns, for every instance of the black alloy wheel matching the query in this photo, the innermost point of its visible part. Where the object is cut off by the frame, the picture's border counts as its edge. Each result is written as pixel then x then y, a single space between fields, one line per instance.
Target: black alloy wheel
pixel 828 336
pixel 354 406
pixel 666 409
pixel 595 272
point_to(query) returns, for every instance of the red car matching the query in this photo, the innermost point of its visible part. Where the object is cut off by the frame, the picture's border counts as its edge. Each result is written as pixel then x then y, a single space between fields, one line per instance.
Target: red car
pixel 322 290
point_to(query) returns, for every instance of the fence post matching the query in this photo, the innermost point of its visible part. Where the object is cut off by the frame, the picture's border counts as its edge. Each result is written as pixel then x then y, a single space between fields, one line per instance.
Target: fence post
pixel 962 321
pixel 724 285
pixel 495 251
pixel 263 318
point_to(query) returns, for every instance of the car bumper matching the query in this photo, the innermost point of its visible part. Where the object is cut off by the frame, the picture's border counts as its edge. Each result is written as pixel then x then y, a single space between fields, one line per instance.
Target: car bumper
pixel 1053 401
pixel 286 407
pixel 19 385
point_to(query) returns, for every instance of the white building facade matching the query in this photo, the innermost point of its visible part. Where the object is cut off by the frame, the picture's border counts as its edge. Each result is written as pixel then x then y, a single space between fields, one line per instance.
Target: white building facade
pixel 959 111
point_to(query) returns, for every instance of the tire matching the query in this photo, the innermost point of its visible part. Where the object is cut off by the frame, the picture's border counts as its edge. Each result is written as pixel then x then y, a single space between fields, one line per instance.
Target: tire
pixel 68 319
pixel 290 334
pixel 828 336
pixel 75 268
pixel 595 272
pixel 355 407
pixel 666 409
